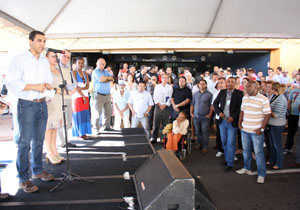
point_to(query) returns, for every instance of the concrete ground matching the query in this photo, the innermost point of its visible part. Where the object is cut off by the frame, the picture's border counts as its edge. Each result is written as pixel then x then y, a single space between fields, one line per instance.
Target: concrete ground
pixel 228 190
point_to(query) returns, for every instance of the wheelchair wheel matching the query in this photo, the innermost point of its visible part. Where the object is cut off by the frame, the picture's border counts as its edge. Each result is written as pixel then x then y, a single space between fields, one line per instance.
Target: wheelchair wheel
pixel 189 146
pixel 182 154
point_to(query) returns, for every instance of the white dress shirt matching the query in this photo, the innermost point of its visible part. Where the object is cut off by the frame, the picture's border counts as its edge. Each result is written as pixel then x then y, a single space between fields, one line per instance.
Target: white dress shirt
pixel 163 94
pixel 140 102
pixel 27 69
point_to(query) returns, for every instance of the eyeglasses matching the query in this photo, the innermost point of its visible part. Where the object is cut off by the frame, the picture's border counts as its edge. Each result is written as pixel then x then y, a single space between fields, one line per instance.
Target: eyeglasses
pixel 153 79
pixel 67 57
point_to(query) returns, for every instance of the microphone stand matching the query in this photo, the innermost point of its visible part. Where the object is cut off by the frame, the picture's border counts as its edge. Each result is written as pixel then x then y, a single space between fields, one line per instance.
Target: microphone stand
pixel 69 175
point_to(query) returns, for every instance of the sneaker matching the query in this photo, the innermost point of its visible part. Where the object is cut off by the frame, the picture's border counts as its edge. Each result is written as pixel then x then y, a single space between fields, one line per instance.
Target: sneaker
pixel 219 154
pixel 260 179
pixel 286 151
pixel 44 176
pixel 243 171
pixel 235 158
pixel 28 187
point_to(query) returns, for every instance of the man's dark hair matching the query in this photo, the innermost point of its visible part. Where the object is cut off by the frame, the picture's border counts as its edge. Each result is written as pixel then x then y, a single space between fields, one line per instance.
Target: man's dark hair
pixel 279 68
pixel 142 81
pixel 182 77
pixel 143 66
pixel 132 66
pixel 153 67
pixel 203 81
pixel 34 33
pixel 215 73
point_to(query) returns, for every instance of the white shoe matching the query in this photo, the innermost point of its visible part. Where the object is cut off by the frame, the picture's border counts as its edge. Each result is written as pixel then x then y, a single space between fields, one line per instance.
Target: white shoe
pixel 260 179
pixel 243 171
pixel 235 158
pixel 219 154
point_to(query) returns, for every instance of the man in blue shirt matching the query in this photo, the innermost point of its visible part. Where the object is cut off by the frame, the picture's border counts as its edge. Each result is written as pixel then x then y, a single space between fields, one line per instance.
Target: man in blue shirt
pixel 293 103
pixel 101 79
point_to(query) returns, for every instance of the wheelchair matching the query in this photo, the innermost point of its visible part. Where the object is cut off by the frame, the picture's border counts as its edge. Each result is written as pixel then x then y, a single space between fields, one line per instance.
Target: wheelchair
pixel 184 144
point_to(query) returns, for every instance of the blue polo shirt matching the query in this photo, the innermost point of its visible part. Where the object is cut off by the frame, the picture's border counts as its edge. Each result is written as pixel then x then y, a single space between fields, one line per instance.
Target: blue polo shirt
pixel 101 87
pixel 295 98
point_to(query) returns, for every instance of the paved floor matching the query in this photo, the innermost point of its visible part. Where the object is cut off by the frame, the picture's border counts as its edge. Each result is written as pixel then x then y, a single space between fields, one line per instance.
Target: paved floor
pixel 228 190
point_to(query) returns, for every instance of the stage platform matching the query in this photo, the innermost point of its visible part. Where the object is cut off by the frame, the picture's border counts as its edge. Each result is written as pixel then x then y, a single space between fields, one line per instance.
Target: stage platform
pixel 104 158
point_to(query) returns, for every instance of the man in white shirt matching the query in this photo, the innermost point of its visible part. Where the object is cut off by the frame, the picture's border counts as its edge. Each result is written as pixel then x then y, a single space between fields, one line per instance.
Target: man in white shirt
pixel 211 84
pixel 162 99
pixel 121 108
pixel 140 103
pixel 272 75
pixel 29 79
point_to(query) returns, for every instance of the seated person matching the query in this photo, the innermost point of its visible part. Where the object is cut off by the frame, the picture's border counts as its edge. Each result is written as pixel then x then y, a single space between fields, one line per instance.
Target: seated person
pixel 179 128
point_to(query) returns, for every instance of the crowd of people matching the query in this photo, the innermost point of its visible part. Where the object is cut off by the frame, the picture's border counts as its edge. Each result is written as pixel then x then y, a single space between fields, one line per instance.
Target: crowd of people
pixel 249 109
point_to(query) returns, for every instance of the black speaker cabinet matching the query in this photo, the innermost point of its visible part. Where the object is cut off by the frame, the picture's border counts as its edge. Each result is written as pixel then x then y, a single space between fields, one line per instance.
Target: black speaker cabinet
pixel 162 182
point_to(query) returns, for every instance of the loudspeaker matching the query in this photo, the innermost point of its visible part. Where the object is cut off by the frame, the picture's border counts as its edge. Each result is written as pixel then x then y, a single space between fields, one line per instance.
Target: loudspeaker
pixel 162 182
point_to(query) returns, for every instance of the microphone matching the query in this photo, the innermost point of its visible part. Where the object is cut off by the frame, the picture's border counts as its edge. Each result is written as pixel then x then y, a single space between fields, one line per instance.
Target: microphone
pixel 55 51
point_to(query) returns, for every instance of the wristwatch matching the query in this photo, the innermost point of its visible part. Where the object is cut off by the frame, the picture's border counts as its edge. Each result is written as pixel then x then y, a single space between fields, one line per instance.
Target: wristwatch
pixel 176 105
pixel 262 130
pixel 55 89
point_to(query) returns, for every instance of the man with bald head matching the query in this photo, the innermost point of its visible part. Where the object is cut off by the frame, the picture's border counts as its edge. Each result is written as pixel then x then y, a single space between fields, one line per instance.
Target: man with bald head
pixel 101 80
pixel 254 116
pixel 64 61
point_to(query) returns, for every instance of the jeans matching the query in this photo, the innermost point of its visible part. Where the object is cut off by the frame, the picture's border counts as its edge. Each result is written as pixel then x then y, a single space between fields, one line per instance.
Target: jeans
pixel 275 137
pixel 32 119
pixel 144 121
pixel 228 137
pixel 16 132
pixel 202 131
pixel 249 141
pixel 298 147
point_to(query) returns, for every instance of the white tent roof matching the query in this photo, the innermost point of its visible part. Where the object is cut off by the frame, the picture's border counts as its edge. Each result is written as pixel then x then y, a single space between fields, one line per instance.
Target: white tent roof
pixel 162 18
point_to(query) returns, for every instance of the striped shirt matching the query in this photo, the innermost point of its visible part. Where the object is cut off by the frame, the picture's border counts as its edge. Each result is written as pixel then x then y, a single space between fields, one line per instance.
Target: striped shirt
pixel 254 108
pixel 279 108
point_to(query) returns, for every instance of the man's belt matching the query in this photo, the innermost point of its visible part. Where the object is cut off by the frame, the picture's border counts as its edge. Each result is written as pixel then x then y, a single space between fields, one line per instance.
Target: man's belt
pixel 102 94
pixel 37 100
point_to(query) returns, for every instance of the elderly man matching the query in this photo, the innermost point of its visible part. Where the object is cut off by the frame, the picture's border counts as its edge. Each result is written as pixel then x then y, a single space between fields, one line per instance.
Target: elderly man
pixel 101 79
pixel 140 103
pixel 121 108
pixel 254 116
pixel 29 79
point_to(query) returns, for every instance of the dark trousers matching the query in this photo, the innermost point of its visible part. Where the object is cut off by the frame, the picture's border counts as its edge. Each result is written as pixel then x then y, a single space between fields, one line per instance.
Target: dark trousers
pixel 161 117
pixel 151 114
pixel 292 129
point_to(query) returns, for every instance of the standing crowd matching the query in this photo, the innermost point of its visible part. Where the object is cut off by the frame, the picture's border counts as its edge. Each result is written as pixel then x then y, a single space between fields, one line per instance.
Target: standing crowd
pixel 250 110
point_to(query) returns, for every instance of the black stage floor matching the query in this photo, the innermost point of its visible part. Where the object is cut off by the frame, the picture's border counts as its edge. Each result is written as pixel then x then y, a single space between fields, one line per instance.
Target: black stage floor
pixel 91 159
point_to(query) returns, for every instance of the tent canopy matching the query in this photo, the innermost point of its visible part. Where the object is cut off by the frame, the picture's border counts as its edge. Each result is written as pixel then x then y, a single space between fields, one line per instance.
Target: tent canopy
pixel 155 18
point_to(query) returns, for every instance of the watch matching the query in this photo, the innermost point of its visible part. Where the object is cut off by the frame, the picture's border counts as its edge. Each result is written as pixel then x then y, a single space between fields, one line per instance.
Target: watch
pixel 55 89
pixel 262 130
pixel 176 106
